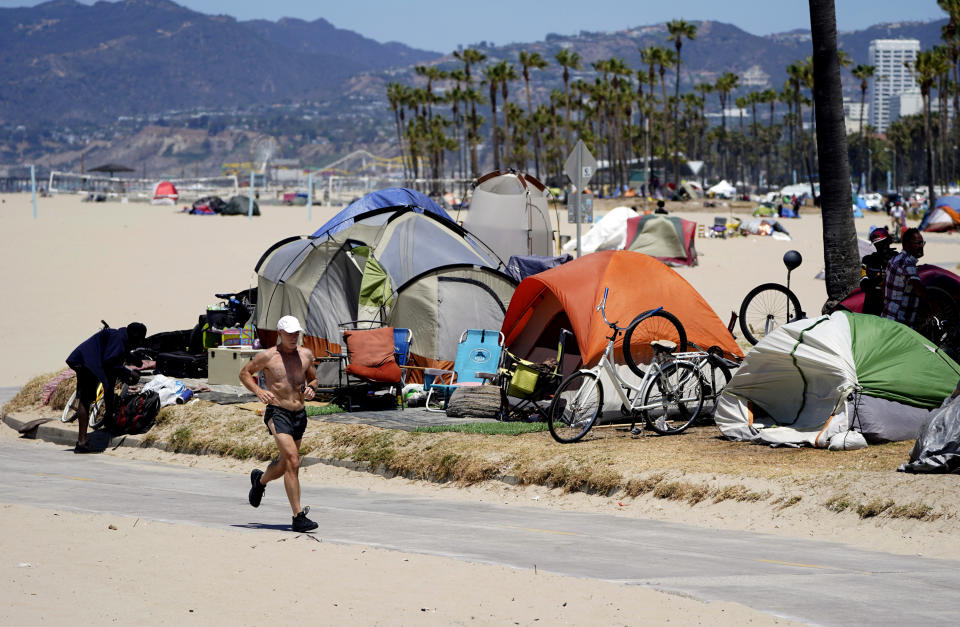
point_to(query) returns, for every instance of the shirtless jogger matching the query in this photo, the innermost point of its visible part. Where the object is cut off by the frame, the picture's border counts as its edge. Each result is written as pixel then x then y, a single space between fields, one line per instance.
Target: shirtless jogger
pixel 291 379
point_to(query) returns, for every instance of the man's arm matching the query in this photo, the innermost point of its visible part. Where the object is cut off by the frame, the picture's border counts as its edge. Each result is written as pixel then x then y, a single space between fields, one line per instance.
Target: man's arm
pixel 310 376
pixel 247 373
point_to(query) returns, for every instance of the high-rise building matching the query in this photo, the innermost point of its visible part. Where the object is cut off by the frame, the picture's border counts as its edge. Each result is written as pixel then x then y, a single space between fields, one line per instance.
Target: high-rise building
pixel 892 77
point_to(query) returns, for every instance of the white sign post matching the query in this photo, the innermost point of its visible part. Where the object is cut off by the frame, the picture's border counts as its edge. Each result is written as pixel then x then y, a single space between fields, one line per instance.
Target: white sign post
pixel 579 168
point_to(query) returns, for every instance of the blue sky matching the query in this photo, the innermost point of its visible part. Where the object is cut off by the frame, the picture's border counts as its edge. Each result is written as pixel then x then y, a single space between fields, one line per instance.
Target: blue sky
pixel 443 24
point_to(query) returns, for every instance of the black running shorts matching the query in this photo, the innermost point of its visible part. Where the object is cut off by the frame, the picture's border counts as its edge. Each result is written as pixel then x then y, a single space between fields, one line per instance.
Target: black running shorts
pixel 293 423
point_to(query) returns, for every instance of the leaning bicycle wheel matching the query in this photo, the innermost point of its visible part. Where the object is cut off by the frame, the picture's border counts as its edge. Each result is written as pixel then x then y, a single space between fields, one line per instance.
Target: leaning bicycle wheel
pixel 765 308
pixel 674 398
pixel 575 407
pixel 98 412
pixel 70 409
pixel 646 328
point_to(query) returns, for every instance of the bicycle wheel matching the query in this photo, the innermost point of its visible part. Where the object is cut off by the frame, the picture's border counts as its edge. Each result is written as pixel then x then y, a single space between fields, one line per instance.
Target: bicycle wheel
pixel 945 309
pixel 98 411
pixel 660 325
pixel 765 308
pixel 716 376
pixel 70 409
pixel 575 407
pixel 674 398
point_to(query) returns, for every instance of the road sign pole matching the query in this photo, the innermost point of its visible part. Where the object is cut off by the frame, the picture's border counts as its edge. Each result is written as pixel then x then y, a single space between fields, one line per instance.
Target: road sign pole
pixel 250 204
pixel 579 197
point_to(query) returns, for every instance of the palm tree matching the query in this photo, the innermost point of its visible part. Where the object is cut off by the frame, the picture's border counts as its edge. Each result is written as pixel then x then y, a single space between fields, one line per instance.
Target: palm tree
pixel 471 56
pixel 395 95
pixel 925 70
pixel 726 83
pixel 678 29
pixel 508 72
pixel 532 60
pixel 863 73
pixel 769 96
pixel 568 61
pixel 492 79
pixel 431 73
pixel 663 58
pixel 950 33
pixel 840 252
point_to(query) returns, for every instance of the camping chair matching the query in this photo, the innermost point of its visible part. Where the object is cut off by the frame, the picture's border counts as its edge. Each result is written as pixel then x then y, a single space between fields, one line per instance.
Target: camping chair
pixel 371 362
pixel 719 227
pixel 524 384
pixel 478 354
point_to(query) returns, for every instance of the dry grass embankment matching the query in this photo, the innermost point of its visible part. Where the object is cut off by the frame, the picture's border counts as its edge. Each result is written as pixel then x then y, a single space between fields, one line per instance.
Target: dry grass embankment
pixel 693 468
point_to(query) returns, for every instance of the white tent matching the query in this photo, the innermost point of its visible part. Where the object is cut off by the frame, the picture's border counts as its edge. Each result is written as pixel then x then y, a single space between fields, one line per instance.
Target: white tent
pixel 510 212
pixel 723 189
pixel 608 233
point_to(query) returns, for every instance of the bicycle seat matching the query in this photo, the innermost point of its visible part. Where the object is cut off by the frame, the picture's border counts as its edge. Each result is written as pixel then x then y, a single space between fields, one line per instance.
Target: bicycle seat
pixel 663 346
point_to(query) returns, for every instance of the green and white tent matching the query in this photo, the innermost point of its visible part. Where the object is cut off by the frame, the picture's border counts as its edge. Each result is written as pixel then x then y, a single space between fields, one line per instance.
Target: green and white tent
pixel 801 384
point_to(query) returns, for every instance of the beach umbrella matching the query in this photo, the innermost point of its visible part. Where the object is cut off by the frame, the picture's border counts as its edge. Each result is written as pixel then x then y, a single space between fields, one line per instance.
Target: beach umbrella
pixel 111 168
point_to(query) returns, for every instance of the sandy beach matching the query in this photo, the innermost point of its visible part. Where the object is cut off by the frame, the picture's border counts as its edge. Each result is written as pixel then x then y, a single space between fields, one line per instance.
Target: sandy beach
pixel 78 263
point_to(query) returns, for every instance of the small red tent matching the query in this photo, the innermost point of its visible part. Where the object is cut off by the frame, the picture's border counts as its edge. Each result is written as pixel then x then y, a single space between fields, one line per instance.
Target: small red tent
pixel 567 297
pixel 165 193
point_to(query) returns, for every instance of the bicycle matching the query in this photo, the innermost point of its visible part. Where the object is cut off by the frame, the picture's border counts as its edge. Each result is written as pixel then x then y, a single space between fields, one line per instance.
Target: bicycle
pixel 716 371
pixel 770 305
pixel 670 394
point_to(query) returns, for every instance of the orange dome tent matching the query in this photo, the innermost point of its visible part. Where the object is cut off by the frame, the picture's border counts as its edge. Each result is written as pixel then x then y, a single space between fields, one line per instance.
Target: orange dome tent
pixel 567 297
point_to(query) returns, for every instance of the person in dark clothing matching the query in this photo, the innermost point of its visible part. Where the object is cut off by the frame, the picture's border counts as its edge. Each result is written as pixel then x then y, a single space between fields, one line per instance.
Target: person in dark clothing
pixel 100 360
pixel 874 268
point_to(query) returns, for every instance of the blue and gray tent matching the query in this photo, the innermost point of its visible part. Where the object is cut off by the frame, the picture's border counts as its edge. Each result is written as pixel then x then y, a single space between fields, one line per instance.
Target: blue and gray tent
pixel 384 201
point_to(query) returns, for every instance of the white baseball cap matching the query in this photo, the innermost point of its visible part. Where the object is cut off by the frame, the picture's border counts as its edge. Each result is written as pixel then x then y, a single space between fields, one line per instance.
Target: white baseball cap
pixel 289 324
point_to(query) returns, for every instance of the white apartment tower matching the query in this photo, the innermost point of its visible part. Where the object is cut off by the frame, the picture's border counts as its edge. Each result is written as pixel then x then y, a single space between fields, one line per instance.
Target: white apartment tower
pixel 891 78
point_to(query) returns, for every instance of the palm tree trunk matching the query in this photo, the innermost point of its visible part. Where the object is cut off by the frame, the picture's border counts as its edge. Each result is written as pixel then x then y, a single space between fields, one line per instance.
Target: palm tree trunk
pixel 840 251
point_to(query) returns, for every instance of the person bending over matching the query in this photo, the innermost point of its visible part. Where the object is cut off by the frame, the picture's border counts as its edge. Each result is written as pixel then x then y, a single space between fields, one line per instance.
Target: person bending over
pixel 290 379
pixel 99 360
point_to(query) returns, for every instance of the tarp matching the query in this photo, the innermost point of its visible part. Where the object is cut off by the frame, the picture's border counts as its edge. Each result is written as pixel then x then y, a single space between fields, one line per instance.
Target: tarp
pixel 792 387
pixel 520 267
pixel 937 448
pixel 667 238
pixel 608 233
pixel 355 273
pixel 567 297
pixel 510 212
pixel 392 197
pixel 239 205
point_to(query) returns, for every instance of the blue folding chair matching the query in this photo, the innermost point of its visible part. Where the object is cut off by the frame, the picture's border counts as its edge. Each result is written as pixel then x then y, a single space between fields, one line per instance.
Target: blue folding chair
pixel 478 353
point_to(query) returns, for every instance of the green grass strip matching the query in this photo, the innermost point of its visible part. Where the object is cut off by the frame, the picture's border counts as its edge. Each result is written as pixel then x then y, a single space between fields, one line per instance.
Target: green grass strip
pixel 488 428
pixel 313 410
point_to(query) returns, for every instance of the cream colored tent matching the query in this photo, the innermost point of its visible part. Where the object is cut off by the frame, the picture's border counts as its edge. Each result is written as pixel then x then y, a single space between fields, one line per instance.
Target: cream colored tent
pixel 509 213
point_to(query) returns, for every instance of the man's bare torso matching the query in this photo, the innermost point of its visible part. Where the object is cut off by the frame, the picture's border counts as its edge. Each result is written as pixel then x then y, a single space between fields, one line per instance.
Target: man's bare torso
pixel 285 375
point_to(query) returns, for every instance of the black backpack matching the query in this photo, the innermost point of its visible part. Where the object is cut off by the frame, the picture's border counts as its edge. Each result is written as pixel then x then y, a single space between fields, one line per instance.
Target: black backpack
pixel 136 413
